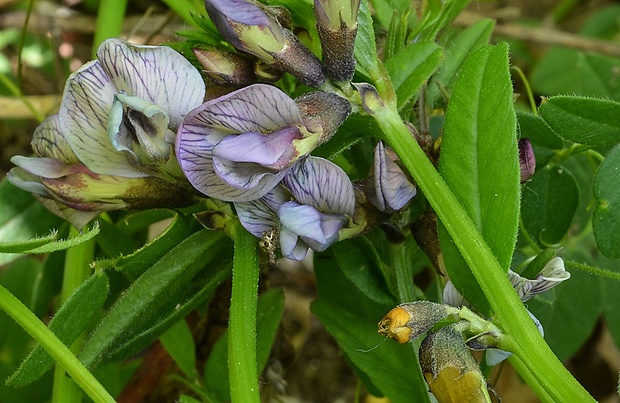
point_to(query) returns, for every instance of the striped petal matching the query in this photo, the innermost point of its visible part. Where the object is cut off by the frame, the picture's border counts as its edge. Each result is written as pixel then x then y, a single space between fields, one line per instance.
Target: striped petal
pixel 48 141
pixel 158 74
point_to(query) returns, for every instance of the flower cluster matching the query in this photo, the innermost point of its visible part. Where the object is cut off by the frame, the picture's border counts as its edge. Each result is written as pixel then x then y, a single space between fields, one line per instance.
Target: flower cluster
pixel 134 131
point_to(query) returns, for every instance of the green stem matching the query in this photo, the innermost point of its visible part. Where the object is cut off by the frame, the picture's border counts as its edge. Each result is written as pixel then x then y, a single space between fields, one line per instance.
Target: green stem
pixel 528 344
pixel 242 322
pixel 403 279
pixel 61 353
pixel 110 18
pixel 77 260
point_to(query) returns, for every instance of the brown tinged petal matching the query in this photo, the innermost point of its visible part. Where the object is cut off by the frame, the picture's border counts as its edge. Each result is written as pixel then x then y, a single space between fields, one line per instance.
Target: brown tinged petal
pixel 451 372
pixel 410 320
pixel 226 69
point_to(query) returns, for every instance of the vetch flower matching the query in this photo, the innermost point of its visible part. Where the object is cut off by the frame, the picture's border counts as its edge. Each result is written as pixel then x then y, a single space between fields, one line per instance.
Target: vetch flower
pixel 336 22
pixel 387 187
pixel 251 27
pixel 241 145
pixel 314 202
pixel 111 145
pixel 551 275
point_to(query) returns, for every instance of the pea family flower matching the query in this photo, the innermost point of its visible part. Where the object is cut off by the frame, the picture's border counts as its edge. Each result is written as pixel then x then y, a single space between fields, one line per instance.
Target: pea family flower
pixel 527 159
pixel 253 28
pixel 387 186
pixel 111 146
pixel 314 202
pixel 239 146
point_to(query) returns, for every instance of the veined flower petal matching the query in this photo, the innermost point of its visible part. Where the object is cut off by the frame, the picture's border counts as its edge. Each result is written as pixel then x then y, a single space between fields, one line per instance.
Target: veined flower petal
pixel 48 141
pixel 321 184
pixel 155 73
pixel 45 167
pixel 274 150
pixel 392 189
pixel 83 119
pixel 259 216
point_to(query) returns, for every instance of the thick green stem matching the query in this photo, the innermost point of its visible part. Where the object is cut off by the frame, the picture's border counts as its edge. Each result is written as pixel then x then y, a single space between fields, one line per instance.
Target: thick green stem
pixel 529 345
pixel 242 322
pixel 109 24
pixel 61 353
pixel 76 270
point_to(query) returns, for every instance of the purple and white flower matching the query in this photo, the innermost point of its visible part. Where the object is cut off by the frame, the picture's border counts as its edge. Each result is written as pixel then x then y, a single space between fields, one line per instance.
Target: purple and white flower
pixel 111 146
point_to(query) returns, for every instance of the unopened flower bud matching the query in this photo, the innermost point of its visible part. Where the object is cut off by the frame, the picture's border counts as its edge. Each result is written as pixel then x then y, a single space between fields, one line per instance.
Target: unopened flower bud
pixel 527 160
pixel 323 112
pixel 450 370
pixel 252 28
pixel 226 69
pixel 410 320
pixel 336 22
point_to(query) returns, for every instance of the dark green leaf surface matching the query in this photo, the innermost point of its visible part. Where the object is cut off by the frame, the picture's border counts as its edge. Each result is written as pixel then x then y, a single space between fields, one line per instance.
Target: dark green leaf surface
pixel 365 48
pixel 151 304
pixel 69 322
pixel 179 343
pixel 479 162
pixel 268 316
pixel 550 200
pixel 410 68
pixel 351 317
pixel 606 218
pixel 582 120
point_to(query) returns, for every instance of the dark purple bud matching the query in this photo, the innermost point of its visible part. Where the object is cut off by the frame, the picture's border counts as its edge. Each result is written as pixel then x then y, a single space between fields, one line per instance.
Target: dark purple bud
pixel 527 160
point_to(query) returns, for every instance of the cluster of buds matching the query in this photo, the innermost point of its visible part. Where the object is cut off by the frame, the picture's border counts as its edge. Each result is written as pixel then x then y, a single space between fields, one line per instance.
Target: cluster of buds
pixel 453 329
pixel 268 46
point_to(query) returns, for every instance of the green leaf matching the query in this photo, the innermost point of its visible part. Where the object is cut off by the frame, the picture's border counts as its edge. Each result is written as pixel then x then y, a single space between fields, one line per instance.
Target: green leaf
pixel 410 68
pixel 365 48
pixel 606 218
pixel 456 51
pixel 550 200
pixel 156 300
pixel 361 265
pixel 385 367
pixel 49 243
pixel 134 264
pixel 268 316
pixel 179 343
pixel 21 217
pixel 69 322
pixel 544 140
pixel 479 162
pixel 441 14
pixel 582 120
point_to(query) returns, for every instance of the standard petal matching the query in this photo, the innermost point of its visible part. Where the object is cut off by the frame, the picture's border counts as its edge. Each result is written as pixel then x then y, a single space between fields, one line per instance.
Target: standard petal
pixel 48 141
pixel 321 184
pixel 83 119
pixel 257 108
pixel 156 73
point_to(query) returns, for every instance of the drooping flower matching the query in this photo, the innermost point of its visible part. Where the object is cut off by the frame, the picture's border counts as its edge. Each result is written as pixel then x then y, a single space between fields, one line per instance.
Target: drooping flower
pixel 336 22
pixel 111 146
pixel 387 187
pixel 251 27
pixel 239 146
pixel 314 202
